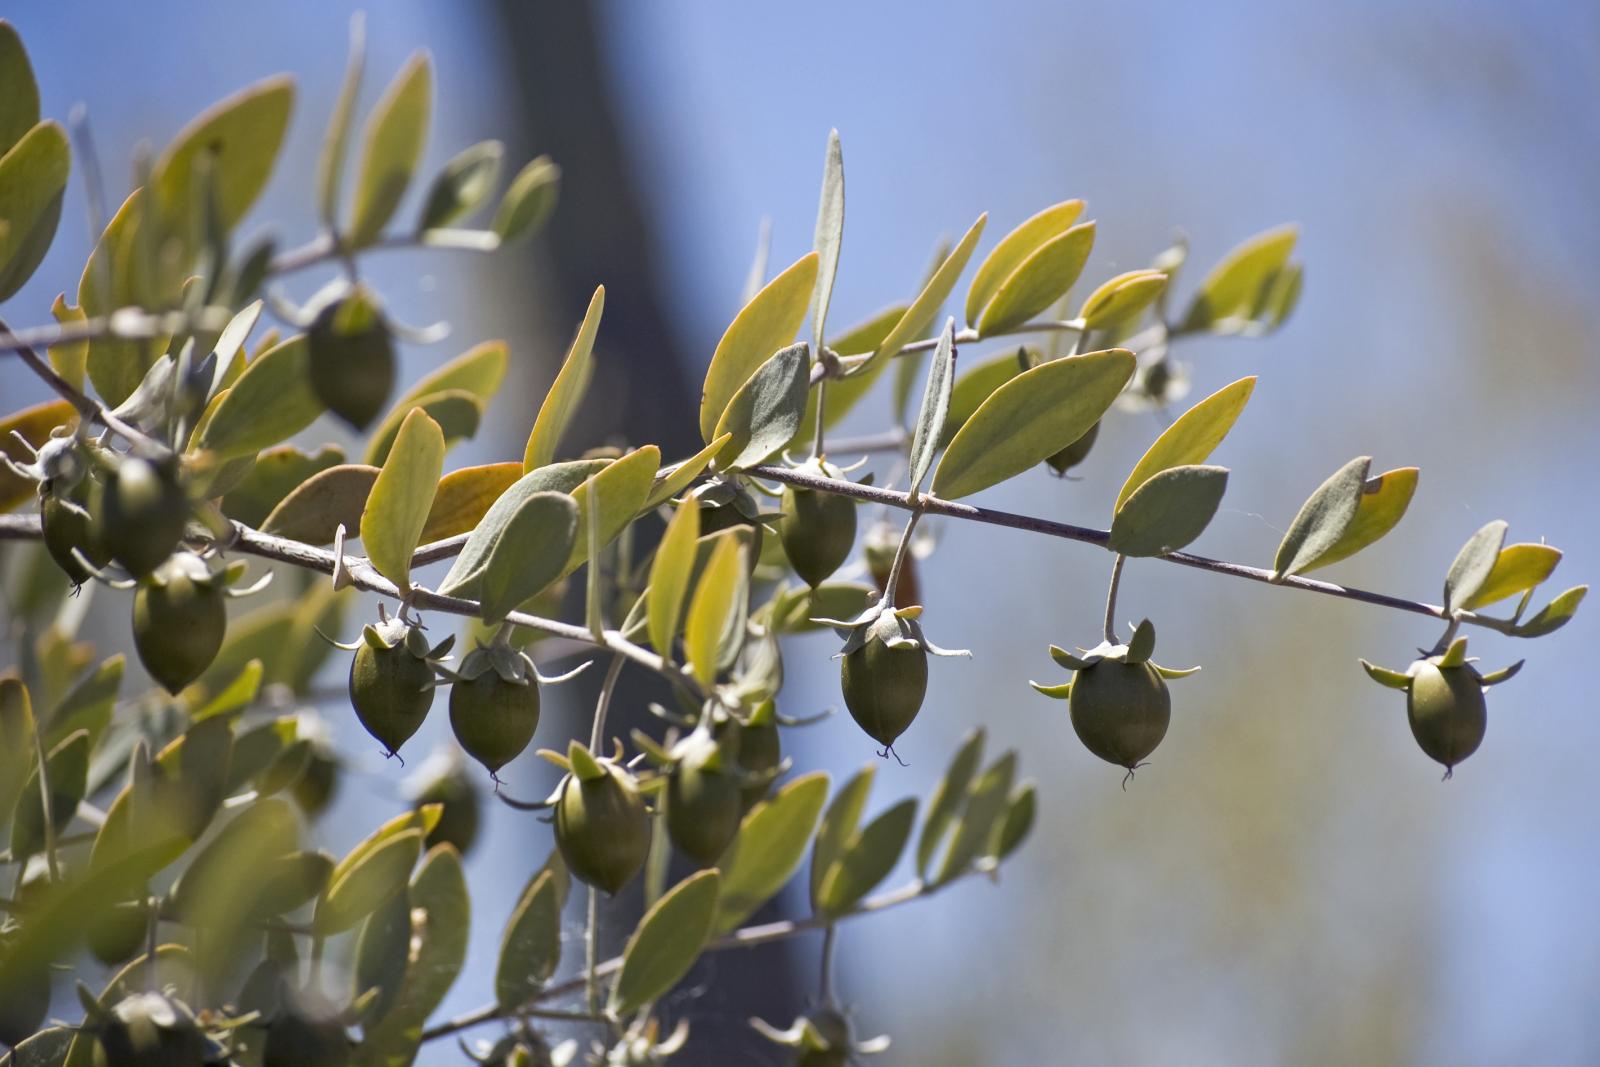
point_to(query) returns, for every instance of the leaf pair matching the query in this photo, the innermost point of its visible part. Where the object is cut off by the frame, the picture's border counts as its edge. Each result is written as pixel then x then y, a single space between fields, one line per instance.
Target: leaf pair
pixel 1347 513
pixel 1030 269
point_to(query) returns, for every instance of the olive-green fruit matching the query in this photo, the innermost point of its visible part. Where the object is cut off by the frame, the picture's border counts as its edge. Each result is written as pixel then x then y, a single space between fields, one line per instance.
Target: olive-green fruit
pixel 297 1037
pixel 818 531
pixel 703 805
pixel 460 803
pixel 884 687
pixel 715 519
pixel 314 790
pixel 149 1030
pixel 68 527
pixel 1447 711
pixel 1120 711
pixel 760 753
pixel 140 513
pixel 602 828
pixel 352 358
pixel 1075 453
pixel 120 932
pixel 493 719
pixel 24 1002
pixel 834 1029
pixel 179 622
pixel 391 690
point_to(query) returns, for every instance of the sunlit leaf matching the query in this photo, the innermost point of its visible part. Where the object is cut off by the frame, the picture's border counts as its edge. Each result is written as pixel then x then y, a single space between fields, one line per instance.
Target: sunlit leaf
pixel 33 177
pixel 1517 569
pixel 1322 519
pixel 829 237
pixel 19 91
pixel 561 403
pixel 772 842
pixel 766 324
pixel 1192 437
pixel 1121 298
pixel 1170 509
pixel 530 554
pixel 275 473
pixel 1473 565
pixel 669 576
pixel 973 388
pixel 395 134
pixel 1383 502
pixel 670 481
pixel 530 949
pixel 764 414
pixel 361 886
pixel 1234 286
pixel 464 496
pixel 1553 615
pixel 666 943
pixel 313 512
pixel 845 393
pixel 457 411
pixel 712 605
pixel 1013 249
pixel 272 400
pixel 920 315
pixel 397 508
pixel 624 485
pixel 1039 281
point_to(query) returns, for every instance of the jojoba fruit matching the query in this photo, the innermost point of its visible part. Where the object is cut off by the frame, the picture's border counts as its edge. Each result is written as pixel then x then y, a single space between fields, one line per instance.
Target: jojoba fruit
pixel 67 526
pixel 818 530
pixel 352 357
pixel 24 1002
pixel 391 682
pixel 1120 710
pixel 884 686
pixel 760 753
pixel 602 827
pixel 121 931
pixel 149 1030
pixel 179 620
pixel 1075 453
pixel 1447 711
pixel 703 801
pixel 305 1033
pixel 141 513
pixel 494 719
pixel 445 779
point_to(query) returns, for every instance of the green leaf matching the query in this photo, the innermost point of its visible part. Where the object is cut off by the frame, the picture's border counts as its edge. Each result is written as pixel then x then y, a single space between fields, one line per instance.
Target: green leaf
pixel 1553 615
pixel 16 741
pixel 765 413
pixel 1192 437
pixel 381 954
pixel 561 403
pixel 935 407
pixel 986 801
pixel 115 366
pixel 397 508
pixel 359 887
pixel 457 411
pixel 479 371
pixel 669 576
pixel 845 393
pixel 1235 286
pixel 87 705
pixel 829 237
pixel 236 142
pixel 624 485
pixel 1012 830
pixel 764 325
pixel 1383 503
pixel 441 911
pixel 530 950
pixel 1039 281
pixel 70 359
pixel 666 943
pixel 973 388
pixel 465 573
pixel 528 202
pixel 462 185
pixel 1170 510
pixel 670 481
pixel 1323 519
pixel 1121 298
pixel 336 141
pixel 396 132
pixel 1014 248
pixel 312 513
pixel 712 606
pixel 272 400
pixel 1517 569
pixel 275 474
pixel 838 828
pixel 920 315
pixel 948 798
pixel 19 92
pixel 1029 418
pixel 771 844
pixel 867 860
pixel 33 176
pixel 530 554
pixel 236 695
pixel 1473 565
pixel 68 767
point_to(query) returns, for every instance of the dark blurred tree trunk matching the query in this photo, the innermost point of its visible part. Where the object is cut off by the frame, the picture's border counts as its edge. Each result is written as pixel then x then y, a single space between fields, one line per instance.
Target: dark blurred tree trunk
pixel 601 234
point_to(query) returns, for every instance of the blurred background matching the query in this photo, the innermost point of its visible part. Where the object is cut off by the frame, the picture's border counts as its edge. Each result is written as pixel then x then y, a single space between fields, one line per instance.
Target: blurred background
pixel 1289 881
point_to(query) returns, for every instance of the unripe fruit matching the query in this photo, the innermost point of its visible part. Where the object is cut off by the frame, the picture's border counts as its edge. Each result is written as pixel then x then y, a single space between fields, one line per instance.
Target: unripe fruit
pixel 716 518
pixel 115 936
pixel 1120 711
pixel 445 779
pixel 66 527
pixel 391 683
pixel 305 1036
pixel 352 358
pixel 149 1030
pixel 884 686
pixel 834 1029
pixel 141 513
pixel 760 753
pixel 1447 711
pixel 313 791
pixel 179 621
pixel 1074 453
pixel 703 801
pixel 24 1002
pixel 818 529
pixel 494 719
pixel 602 827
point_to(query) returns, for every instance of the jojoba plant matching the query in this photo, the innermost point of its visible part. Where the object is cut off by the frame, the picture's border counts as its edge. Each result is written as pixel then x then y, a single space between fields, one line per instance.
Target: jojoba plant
pixel 166 830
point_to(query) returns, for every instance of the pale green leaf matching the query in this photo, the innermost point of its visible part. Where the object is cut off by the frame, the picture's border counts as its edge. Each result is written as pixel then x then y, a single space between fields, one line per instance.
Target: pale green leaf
pixel 1168 511
pixel 33 177
pixel 949 797
pixel 1192 437
pixel 769 849
pixel 1121 298
pixel 530 949
pixel 68 774
pixel 920 315
pixel 1013 249
pixel 462 185
pixel 764 325
pixel 1234 288
pixel 401 497
pixel 712 606
pixel 829 237
pixel 670 481
pixel 974 387
pixel 19 92
pixel 986 802
pixel 1517 569
pixel 838 828
pixel 935 407
pixel 868 859
pixel 1384 499
pixel 1322 519
pixel 666 943
pixel 561 403
pixel 845 393
pixel 530 553
pixel 1013 829
pixel 765 413
pixel 1473 565
pixel 1039 281
pixel 669 576
pixel 396 132
pixel 479 370
pixel 528 202
pixel 1553 615
pixel 359 887
pixel 272 400
pixel 624 486
pixel 457 411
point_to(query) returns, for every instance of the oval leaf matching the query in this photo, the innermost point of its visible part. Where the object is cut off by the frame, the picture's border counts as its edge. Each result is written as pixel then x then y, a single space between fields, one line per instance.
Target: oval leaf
pixel 838 828
pixel 974 387
pixel 1323 519
pixel 531 948
pixel 667 942
pixel 1517 569
pixel 764 325
pixel 479 370
pixel 464 496
pixel 1031 417
pixel 1235 285
pixel 623 485
pixel 1192 437
pixel 561 402
pixel 669 576
pixel 713 605
pixel 1169 511
pixel 313 512
pixel 33 176
pixel 396 132
pixel 948 798
pixel 67 769
pixel 1039 281
pixel 765 413
pixel 360 887
pixel 463 185
pixel 920 315
pixel 1383 503
pixel 1473 565
pixel 272 400
pixel 871 855
pixel 1121 299
pixel 1015 247
pixel 530 554
pixel 457 411
pixel 397 508
pixel 19 91
pixel 771 843
pixel 275 474
pixel 528 202
pixel 986 803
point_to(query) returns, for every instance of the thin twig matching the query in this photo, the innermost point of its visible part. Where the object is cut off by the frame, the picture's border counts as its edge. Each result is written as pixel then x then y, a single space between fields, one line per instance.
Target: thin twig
pixel 86 408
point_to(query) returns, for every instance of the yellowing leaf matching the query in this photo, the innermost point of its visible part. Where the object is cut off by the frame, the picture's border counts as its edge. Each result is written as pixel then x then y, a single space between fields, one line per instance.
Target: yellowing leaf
pixel 766 324
pixel 397 508
pixel 1014 248
pixel 1121 297
pixel 457 411
pixel 33 176
pixel 1383 503
pixel 670 481
pixel 479 370
pixel 669 576
pixel 464 497
pixel 1191 438
pixel 712 606
pixel 623 485
pixel 1517 569
pixel 1039 281
pixel 561 403
pixel 1234 287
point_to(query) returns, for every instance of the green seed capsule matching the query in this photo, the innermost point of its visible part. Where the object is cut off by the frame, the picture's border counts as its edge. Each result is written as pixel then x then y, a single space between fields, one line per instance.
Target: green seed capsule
pixel 352 358
pixel 391 685
pixel 149 1030
pixel 703 801
pixel 818 529
pixel 1120 711
pixel 1074 453
pixel 179 621
pixel 68 527
pixel 24 1002
pixel 140 514
pixel 602 827
pixel 305 1037
pixel 120 932
pixel 1447 711
pixel 760 753
pixel 884 687
pixel 314 790
pixel 493 719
